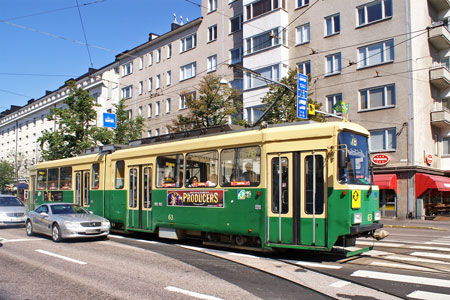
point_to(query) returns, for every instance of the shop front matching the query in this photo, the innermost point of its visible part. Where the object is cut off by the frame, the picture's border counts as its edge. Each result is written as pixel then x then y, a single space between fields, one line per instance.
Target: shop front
pixel 387 183
pixel 434 192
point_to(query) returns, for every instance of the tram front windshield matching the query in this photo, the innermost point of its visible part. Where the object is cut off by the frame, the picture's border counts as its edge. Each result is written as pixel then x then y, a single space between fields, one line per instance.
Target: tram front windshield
pixel 356 169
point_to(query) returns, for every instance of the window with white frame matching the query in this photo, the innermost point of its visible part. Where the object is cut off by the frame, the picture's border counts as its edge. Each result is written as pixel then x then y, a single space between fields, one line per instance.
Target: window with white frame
pixel 254 113
pixel 169 51
pixel 302 34
pixel 446 145
pixel 301 3
pixel 376 54
pixel 374 11
pixel 149 133
pixel 188 43
pixel 332 24
pixel 158 81
pixel 212 5
pixel 127 69
pixel 150 58
pixel 140 110
pixel 127 92
pixel 377 97
pixel 157 108
pixel 141 62
pixel 158 55
pixel 141 87
pixel 129 114
pixel 258 8
pixel 149 110
pixel 183 99
pixel 168 102
pixel 332 100
pixel 235 24
pixel 150 84
pixel 169 77
pixel 383 140
pixel 188 71
pixel 212 33
pixel 212 63
pixel 304 67
pixel 265 40
pixel 157 132
pixel 271 72
pixel 236 55
pixel 333 64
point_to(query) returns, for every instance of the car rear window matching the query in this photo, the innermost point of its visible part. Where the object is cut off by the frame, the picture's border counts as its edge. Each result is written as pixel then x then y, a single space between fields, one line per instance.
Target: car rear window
pixel 10 201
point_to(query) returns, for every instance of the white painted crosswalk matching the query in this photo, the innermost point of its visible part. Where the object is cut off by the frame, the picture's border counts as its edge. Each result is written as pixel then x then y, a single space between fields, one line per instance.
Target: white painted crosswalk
pixel 402 278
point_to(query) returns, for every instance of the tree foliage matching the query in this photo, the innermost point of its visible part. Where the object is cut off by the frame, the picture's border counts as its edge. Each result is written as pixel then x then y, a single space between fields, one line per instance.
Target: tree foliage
pixel 215 105
pixel 6 174
pixel 285 110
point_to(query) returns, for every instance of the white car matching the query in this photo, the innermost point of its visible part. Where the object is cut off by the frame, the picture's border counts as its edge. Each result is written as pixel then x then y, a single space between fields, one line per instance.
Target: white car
pixel 12 211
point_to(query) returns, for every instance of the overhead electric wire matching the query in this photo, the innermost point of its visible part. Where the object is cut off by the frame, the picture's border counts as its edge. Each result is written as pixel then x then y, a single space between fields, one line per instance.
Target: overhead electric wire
pixel 84 34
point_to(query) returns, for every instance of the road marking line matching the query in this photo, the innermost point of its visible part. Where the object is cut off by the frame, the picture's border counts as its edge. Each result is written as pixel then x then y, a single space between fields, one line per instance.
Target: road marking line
pixel 192 294
pixel 375 253
pixel 415 259
pixel 402 278
pixel 21 240
pixel 61 257
pixel 430 248
pixel 436 243
pixel 242 255
pixel 116 236
pixel 434 255
pixel 192 248
pixel 383 244
pixel 398 266
pixel 317 265
pixel 340 284
pixel 133 239
pixel 428 296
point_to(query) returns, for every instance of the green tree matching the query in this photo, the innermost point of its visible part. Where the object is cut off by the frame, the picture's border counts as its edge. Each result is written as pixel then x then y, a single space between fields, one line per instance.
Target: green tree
pixel 126 129
pixel 7 174
pixel 214 106
pixel 75 131
pixel 285 110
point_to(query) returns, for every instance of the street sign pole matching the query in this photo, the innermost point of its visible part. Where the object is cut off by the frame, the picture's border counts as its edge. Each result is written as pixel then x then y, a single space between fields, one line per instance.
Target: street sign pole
pixel 302 96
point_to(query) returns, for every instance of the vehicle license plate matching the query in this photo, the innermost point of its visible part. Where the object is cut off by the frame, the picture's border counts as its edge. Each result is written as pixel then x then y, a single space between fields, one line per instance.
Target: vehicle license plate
pixel 93 231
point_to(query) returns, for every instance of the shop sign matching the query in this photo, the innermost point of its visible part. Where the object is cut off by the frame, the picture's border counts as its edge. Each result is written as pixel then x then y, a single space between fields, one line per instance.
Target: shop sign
pixel 381 159
pixel 429 159
pixel 206 198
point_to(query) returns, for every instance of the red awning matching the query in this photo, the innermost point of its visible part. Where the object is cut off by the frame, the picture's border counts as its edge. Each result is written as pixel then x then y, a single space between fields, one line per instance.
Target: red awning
pixel 386 181
pixel 425 182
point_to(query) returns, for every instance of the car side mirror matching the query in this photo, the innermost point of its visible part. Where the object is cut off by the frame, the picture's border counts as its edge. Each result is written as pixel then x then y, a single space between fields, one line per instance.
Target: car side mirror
pixel 90 212
pixel 342 159
pixel 44 214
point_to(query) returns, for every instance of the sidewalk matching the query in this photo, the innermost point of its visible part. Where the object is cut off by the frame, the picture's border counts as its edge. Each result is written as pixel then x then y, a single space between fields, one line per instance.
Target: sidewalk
pixel 440 223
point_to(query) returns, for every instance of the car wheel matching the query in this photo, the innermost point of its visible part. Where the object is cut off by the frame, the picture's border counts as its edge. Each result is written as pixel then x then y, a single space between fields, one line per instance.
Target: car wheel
pixel 29 228
pixel 56 233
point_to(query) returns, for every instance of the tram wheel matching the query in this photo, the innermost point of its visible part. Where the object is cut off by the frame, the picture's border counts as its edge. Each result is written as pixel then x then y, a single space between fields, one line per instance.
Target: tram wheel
pixel 240 240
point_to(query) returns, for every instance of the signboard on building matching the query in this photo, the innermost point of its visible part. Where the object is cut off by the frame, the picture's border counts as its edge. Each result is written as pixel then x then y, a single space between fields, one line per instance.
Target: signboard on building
pixel 429 159
pixel 109 120
pixel 302 96
pixel 381 159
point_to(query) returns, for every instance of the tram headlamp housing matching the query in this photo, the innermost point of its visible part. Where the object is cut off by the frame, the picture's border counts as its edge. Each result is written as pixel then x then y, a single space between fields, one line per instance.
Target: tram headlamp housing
pixel 357 218
pixel 376 216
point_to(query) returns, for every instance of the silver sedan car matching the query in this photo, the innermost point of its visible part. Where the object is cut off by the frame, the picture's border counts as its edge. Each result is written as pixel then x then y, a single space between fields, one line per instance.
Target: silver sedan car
pixel 66 220
pixel 12 211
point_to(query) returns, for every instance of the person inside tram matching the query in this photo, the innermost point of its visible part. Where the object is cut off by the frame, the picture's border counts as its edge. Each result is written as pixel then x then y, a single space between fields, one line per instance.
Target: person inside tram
pixel 193 181
pixel 249 174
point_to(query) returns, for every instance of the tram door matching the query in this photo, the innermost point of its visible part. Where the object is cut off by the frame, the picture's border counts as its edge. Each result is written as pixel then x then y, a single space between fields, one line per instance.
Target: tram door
pixel 312 198
pixel 82 188
pixel 140 197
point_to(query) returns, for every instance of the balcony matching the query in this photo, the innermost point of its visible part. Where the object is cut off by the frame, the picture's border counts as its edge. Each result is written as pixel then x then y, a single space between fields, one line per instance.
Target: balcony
pixel 440 5
pixel 440 77
pixel 441 118
pixel 439 37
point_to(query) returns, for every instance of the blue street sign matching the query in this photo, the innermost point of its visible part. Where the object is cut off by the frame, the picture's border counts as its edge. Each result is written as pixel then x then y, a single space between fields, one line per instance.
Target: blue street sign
pixel 302 96
pixel 109 120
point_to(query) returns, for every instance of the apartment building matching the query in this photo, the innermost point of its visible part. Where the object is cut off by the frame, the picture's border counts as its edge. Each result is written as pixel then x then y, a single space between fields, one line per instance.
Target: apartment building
pixel 20 127
pixel 389 60
pixel 155 76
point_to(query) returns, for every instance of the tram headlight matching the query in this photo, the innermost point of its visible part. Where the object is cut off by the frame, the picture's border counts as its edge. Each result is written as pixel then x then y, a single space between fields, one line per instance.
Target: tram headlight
pixel 357 218
pixel 377 216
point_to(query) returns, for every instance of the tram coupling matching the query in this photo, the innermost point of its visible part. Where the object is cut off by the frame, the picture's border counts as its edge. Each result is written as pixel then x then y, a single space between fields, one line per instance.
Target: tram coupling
pixel 379 235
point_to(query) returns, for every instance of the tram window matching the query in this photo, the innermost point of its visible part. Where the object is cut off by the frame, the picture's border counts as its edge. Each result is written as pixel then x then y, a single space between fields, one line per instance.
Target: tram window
pixel 95 176
pixel 319 199
pixel 241 166
pixel 169 170
pixel 42 180
pixel 86 189
pixel 276 185
pixel 53 179
pixel 132 188
pixel 120 174
pixel 202 166
pixel 65 178
pixel 147 182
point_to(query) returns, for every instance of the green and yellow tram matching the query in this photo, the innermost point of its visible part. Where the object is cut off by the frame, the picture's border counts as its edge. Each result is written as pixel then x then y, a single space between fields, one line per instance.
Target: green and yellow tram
pixel 300 186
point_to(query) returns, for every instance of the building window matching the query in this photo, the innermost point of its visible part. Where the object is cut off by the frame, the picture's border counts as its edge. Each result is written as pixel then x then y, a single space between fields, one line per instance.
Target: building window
pixel 377 97
pixel 169 51
pixel 158 108
pixel 157 132
pixel 374 11
pixel 383 140
pixel 127 69
pixel 236 55
pixel 149 133
pixel 188 71
pixel 150 58
pixel 149 110
pixel 141 62
pixel 332 100
pixel 158 55
pixel 150 84
pixel 168 105
pixel 301 3
pixel 271 73
pixel 141 87
pixel 265 40
pixel 212 33
pixel 212 5
pixel 182 102
pixel 212 63
pixel 188 43
pixel 140 110
pixel 376 54
pixel 254 113
pixel 302 34
pixel 169 77
pixel 258 8
pixel 127 92
pixel 235 24
pixel 304 67
pixel 332 25
pixel 446 144
pixel 333 65
pixel 158 81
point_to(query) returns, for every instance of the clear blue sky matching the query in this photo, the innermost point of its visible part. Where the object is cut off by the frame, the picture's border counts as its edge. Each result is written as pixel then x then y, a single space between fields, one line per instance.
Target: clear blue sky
pixel 42 38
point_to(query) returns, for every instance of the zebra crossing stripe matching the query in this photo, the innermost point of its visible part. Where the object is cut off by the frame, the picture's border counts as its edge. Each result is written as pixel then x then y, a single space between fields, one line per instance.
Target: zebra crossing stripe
pixel 433 255
pixel 401 278
pixel 428 296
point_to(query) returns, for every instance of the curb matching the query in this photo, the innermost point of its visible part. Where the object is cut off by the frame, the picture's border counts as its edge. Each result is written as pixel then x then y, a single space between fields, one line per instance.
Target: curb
pixel 415 227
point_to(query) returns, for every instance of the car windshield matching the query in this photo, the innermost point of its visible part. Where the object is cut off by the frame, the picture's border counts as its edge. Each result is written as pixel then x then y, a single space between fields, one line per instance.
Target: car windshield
pixel 67 209
pixel 10 201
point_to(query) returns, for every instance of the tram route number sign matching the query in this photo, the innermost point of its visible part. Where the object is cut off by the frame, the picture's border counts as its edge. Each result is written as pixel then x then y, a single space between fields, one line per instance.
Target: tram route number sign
pixel 302 96
pixel 356 199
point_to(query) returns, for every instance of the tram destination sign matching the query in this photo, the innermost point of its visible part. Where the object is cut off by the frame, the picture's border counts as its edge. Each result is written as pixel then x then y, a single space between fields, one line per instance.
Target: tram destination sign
pixel 203 198
pixel 302 96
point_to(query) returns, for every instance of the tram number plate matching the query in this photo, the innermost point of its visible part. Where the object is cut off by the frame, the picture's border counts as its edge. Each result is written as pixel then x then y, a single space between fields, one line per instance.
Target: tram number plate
pixel 356 199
